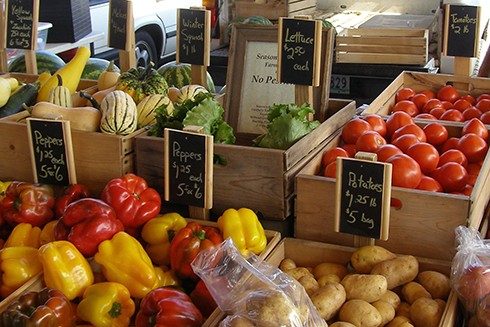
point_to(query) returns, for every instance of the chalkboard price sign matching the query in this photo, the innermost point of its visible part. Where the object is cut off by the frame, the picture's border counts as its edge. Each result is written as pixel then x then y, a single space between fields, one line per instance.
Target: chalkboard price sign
pixel 188 162
pixel 363 190
pixel 21 24
pixel 461 30
pixel 193 36
pixel 299 45
pixel 118 16
pixel 51 151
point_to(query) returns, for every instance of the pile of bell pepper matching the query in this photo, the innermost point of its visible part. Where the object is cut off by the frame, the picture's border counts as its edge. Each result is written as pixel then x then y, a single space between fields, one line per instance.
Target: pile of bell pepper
pixel 113 260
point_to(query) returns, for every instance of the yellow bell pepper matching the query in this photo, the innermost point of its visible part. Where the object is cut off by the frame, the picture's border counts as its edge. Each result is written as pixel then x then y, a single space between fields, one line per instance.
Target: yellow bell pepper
pixel 123 260
pixel 106 305
pixel 47 233
pixel 166 277
pixel 158 232
pixel 19 264
pixel 3 188
pixel 24 235
pixel 245 230
pixel 65 268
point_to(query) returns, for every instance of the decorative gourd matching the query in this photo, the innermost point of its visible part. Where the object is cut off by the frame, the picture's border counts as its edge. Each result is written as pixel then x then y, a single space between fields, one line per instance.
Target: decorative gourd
pixel 190 91
pixel 140 82
pixel 109 77
pixel 147 106
pixel 61 95
pixel 119 114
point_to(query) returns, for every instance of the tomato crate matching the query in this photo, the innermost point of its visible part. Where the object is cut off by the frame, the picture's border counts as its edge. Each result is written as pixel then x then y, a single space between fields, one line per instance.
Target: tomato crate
pixel 258 178
pixel 422 224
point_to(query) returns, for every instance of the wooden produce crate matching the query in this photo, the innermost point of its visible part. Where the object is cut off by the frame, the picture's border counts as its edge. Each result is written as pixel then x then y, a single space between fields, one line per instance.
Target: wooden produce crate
pixel 29 78
pixel 402 46
pixel 258 178
pixel 273 9
pixel 423 225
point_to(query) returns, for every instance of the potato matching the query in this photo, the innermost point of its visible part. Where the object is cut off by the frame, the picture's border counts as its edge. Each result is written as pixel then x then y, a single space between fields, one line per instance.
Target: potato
pixel 392 298
pixel 287 264
pixel 360 313
pixel 327 268
pixel 403 310
pixel 413 291
pixel 398 271
pixel 330 278
pixel 328 299
pixel 369 288
pixel 298 272
pixel 365 258
pixel 309 283
pixel 386 311
pixel 435 283
pixel 425 312
pixel 400 321
pixel 342 324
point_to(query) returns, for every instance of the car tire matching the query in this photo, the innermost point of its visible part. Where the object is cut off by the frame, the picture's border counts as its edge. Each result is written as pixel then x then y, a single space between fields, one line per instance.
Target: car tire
pixel 146 50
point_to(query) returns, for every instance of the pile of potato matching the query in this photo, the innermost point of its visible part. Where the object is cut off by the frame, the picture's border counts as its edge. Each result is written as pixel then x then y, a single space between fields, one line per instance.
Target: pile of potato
pixel 381 289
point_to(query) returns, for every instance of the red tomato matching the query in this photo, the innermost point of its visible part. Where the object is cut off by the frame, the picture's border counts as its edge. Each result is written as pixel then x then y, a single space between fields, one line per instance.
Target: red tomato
pixel 426 156
pixel 483 105
pixel 483 96
pixel 420 100
pixel 429 184
pixel 370 142
pixel 453 155
pixel 451 143
pixel 475 126
pixel 448 93
pixel 471 112
pixel 353 129
pixel 377 123
pixel 474 147
pixel 429 93
pixel 461 105
pixel 407 106
pixel 437 112
pixel 431 104
pixel 410 129
pixel 485 118
pixel 404 94
pixel 452 177
pixel 397 120
pixel 452 115
pixel 332 154
pixel 386 151
pixel 331 170
pixel 405 141
pixel 351 149
pixel 405 172
pixel 446 105
pixel 436 133
pixel 469 98
pixel 425 116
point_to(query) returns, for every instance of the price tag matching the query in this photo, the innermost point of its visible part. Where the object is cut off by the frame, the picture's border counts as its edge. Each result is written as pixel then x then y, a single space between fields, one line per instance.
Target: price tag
pixel 461 31
pixel 188 168
pixel 362 201
pixel 299 46
pixel 193 36
pixel 22 19
pixel 51 151
pixel 340 84
pixel 118 15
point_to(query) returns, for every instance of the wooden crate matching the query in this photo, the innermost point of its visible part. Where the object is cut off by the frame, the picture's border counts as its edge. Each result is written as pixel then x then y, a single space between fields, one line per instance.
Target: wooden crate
pixel 273 9
pixel 29 78
pixel 257 178
pixel 423 226
pixel 404 46
pixel 422 81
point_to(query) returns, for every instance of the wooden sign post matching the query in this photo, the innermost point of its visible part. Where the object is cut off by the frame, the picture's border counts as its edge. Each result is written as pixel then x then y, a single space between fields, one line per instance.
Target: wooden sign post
pixel 461 36
pixel 51 151
pixel 362 198
pixel 121 32
pixel 188 169
pixel 19 31
pixel 194 41
pixel 299 55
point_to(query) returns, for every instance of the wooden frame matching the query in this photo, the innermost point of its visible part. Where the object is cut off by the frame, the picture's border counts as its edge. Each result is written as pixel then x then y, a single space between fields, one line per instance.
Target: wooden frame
pixel 242 35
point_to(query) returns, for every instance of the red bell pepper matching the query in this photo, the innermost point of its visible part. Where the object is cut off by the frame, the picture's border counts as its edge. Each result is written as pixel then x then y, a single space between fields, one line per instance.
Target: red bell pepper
pixel 28 203
pixel 203 300
pixel 86 223
pixel 134 202
pixel 168 307
pixel 187 244
pixel 70 194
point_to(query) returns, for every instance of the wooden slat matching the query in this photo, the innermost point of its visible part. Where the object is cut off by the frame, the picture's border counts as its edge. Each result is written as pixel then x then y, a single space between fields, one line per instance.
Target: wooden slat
pixel 405 32
pixel 303 11
pixel 365 48
pixel 381 40
pixel 301 5
pixel 272 11
pixel 381 58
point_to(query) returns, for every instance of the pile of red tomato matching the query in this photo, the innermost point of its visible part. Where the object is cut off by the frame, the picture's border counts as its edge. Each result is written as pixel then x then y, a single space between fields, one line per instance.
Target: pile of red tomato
pixel 423 156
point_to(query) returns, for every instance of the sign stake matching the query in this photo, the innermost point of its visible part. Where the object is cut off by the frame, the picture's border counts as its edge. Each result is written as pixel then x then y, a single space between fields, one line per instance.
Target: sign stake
pixel 121 32
pixel 3 34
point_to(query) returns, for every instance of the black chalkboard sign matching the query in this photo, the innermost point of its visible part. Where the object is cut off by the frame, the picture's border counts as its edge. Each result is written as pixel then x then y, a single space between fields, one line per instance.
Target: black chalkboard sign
pixel 299 51
pixel 363 190
pixel 193 36
pixel 461 33
pixel 118 15
pixel 188 162
pixel 20 25
pixel 51 151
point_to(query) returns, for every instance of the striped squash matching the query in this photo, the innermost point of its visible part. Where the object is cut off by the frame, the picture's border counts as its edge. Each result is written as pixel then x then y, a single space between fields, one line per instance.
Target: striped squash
pixel 61 96
pixel 119 113
pixel 146 108
pixel 190 91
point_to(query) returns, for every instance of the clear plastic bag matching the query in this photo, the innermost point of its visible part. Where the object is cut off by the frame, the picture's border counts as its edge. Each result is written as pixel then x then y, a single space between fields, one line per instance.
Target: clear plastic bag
pixel 470 271
pixel 253 292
